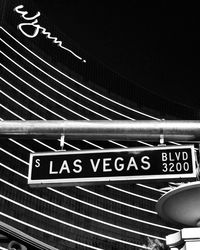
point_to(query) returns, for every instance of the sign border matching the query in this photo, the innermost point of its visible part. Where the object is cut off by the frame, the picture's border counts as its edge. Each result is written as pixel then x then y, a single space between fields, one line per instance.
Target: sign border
pixel 109 179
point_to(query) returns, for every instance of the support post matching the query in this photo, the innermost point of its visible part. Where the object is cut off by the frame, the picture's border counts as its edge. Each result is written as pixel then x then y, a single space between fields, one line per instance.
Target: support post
pixel 185 239
pixel 181 206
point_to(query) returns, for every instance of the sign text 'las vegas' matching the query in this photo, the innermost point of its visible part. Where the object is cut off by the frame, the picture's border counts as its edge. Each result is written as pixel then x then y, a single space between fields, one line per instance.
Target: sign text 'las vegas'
pixel 111 165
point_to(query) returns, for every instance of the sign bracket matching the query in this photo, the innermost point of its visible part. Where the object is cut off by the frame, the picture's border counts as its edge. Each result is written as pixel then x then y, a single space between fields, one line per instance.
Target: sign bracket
pixel 62 142
pixel 162 137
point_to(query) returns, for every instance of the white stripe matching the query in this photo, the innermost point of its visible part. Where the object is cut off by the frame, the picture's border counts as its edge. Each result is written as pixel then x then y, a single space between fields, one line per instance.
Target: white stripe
pixel 104 97
pixel 47 232
pixel 51 147
pixel 116 201
pixel 45 145
pixel 82 215
pixel 113 142
pixel 14 171
pixel 89 191
pixel 17 158
pixel 148 187
pixel 20 104
pixel 11 112
pixel 45 94
pixel 24 120
pixel 145 143
pixel 24 147
pixel 48 146
pixel 110 211
pixel 80 84
pixel 72 146
pixel 131 193
pixel 138 208
pixel 39 104
pixel 46 108
pixel 117 143
pixel 71 225
pixel 93 144
pixel 97 93
pixel 59 82
pixel 48 86
pixel 80 201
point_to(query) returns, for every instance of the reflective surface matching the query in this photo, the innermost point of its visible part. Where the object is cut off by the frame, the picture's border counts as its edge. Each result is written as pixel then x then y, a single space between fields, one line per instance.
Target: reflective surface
pixel 181 205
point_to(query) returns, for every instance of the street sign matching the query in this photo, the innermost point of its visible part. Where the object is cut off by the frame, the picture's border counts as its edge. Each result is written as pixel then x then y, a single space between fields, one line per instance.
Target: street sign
pixel 102 166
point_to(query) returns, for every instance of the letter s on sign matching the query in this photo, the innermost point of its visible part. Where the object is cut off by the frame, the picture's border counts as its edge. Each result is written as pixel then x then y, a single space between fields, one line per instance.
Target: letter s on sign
pixel 37 163
pixel 144 160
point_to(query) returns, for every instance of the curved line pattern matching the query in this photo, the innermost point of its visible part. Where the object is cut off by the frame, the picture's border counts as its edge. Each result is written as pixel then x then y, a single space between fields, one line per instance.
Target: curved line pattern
pixel 77 82
pixel 42 95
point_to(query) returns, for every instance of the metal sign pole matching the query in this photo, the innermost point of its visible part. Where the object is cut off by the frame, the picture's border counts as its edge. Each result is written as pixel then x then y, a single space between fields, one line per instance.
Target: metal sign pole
pixel 147 130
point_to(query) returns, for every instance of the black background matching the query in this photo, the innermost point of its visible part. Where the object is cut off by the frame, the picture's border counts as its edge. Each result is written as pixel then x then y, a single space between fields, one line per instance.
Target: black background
pixel 155 43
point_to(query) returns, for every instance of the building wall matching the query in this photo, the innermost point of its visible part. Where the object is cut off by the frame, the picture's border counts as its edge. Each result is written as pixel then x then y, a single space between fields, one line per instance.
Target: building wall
pixel 41 81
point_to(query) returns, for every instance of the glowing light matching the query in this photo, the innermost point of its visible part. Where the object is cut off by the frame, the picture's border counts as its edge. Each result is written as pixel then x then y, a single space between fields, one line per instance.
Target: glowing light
pixel 38 28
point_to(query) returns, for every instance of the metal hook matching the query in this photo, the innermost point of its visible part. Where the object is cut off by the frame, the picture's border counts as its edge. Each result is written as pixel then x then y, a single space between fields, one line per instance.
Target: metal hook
pixel 62 142
pixel 162 137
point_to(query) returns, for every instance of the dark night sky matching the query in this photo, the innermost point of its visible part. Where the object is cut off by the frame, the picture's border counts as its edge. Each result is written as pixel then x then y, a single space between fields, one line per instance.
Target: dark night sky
pixel 155 44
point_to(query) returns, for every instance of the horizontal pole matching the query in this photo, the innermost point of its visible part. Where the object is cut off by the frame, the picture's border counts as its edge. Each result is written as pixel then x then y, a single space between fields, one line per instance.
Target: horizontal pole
pixel 148 130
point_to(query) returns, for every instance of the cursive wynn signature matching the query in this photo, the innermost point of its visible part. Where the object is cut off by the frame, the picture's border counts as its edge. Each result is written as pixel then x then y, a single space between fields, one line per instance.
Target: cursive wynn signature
pixel 33 22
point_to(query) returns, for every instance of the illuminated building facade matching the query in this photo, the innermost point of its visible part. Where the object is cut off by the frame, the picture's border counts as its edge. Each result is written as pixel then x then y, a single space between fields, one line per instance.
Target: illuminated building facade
pixel 44 76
